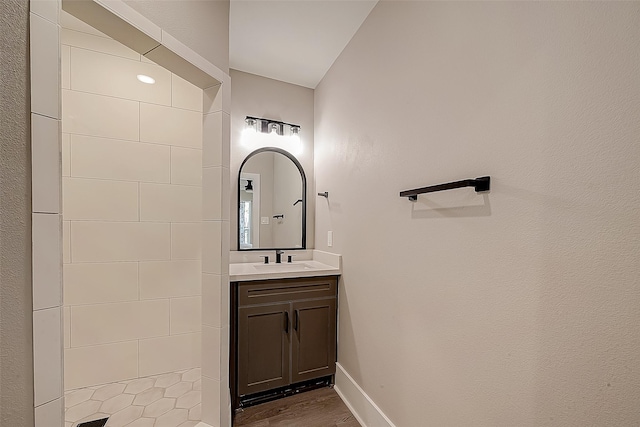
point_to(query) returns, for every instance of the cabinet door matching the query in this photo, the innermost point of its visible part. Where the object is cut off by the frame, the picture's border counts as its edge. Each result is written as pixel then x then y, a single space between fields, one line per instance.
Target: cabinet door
pixel 263 348
pixel 313 339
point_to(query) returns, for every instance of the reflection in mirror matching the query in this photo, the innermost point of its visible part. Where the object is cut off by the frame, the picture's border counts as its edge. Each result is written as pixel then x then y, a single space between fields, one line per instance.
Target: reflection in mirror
pixel 271 201
pixel 248 222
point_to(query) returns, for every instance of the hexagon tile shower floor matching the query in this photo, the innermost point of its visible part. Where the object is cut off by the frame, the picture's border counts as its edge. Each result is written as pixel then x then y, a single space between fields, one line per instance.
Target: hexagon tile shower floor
pixel 167 400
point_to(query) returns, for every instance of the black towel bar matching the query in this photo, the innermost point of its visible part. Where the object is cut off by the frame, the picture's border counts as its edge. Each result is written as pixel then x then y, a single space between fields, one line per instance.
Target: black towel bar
pixel 480 184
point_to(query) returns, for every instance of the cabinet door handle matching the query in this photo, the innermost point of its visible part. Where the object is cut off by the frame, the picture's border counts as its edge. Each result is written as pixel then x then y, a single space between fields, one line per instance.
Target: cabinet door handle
pixel 295 321
pixel 286 321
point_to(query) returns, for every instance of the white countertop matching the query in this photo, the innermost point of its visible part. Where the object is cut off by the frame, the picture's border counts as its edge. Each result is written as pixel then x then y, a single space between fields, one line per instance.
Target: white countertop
pixel 331 265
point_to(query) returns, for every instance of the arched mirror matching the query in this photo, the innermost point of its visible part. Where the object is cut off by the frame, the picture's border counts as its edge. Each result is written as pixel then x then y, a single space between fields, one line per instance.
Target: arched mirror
pixel 272 201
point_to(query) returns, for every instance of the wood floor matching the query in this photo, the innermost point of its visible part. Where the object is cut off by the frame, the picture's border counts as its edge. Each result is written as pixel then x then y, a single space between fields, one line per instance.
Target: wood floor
pixel 316 408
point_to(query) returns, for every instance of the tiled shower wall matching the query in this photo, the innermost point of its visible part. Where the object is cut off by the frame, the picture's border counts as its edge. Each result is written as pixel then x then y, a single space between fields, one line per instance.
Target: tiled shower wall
pixel 46 226
pixel 132 211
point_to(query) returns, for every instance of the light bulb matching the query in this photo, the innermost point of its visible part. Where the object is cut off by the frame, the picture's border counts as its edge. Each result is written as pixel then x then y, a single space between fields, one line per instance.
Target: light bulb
pixel 275 129
pixel 146 79
pixel 249 132
pixel 294 140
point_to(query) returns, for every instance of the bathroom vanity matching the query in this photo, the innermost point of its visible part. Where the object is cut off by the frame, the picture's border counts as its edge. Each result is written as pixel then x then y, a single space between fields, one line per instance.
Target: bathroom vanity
pixel 283 328
pixel 283 314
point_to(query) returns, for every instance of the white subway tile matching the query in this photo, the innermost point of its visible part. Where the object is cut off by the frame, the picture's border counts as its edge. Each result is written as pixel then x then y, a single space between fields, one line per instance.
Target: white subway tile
pixel 224 354
pixel 147 60
pixel 167 54
pixel 126 241
pixel 186 241
pixel 225 413
pixel 216 194
pixel 212 99
pixel 186 315
pixel 116 362
pixel 212 154
pixel 211 400
pixel 185 95
pixel 186 166
pixel 226 94
pixel 103 74
pixel 45 164
pixel 212 297
pixel 226 140
pixel 212 200
pixel 96 43
pixel 71 22
pixel 211 347
pixel 164 202
pixel 45 67
pixel 158 125
pixel 98 115
pixel 147 29
pixel 168 354
pixel 65 59
pixel 120 160
pixel 47 355
pixel 48 9
pixel 226 193
pixel 50 414
pixel 169 279
pixel 100 200
pixel 66 154
pixel 224 249
pixel 89 283
pixel 212 247
pixel 47 265
pixel 115 322
pixel 215 293
pixel 225 231
pixel 66 242
pixel 66 320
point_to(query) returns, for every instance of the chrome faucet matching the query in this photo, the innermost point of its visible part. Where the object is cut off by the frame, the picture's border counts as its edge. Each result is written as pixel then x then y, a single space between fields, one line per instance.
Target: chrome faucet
pixel 279 254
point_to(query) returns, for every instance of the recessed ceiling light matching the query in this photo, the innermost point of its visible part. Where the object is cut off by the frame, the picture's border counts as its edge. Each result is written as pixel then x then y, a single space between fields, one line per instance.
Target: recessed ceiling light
pixel 146 79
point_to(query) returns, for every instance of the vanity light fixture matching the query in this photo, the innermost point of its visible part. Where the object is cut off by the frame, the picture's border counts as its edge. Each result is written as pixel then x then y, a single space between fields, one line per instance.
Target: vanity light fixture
pixel 146 79
pixel 249 187
pixel 260 131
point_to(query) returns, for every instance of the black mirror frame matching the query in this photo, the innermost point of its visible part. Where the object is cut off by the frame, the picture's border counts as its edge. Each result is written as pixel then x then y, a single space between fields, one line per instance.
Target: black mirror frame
pixel 304 198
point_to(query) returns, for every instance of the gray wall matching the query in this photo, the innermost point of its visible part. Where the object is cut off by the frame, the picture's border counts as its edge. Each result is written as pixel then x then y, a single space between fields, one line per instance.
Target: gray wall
pixel 16 358
pixel 203 25
pixel 520 308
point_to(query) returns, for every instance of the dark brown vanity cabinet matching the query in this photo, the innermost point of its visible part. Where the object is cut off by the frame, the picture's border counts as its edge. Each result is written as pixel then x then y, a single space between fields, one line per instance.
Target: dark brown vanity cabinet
pixel 283 333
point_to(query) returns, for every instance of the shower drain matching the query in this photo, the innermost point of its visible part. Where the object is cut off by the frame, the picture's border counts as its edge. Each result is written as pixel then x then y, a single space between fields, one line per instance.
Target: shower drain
pixel 95 423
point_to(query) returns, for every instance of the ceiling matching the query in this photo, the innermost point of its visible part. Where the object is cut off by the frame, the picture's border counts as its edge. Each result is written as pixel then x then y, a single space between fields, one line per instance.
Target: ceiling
pixel 295 41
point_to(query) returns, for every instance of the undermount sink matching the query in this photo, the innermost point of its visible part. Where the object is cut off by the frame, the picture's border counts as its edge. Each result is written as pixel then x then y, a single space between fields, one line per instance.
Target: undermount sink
pixel 283 267
pixel 326 265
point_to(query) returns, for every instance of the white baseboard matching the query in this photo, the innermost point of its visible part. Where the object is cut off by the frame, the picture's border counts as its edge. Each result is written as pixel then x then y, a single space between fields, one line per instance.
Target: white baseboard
pixel 359 403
